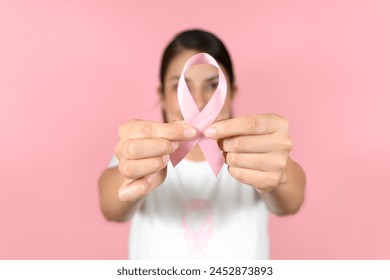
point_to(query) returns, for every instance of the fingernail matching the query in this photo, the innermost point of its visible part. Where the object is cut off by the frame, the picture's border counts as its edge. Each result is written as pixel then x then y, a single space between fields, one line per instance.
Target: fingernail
pixel 175 145
pixel 210 132
pixel 165 158
pixel 150 178
pixel 189 132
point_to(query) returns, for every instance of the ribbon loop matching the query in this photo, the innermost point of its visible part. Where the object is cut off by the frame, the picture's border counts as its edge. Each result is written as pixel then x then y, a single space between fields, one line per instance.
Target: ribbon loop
pixel 201 119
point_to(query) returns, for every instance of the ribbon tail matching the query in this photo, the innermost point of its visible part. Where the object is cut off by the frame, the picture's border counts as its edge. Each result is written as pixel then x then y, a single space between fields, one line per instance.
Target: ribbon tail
pixel 213 154
pixel 184 148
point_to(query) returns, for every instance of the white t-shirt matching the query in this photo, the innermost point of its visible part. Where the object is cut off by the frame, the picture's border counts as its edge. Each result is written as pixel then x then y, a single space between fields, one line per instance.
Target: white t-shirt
pixel 195 215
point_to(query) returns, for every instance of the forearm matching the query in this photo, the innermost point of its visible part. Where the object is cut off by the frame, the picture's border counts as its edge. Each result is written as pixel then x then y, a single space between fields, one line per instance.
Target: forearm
pixel 112 208
pixel 288 196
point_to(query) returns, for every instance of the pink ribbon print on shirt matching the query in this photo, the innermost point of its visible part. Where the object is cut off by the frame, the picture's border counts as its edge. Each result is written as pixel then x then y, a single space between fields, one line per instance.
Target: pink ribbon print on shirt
pixel 201 119
pixel 198 224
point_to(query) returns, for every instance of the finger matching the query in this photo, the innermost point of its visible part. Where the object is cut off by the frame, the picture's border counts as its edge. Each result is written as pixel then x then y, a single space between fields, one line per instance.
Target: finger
pixel 134 169
pixel 260 180
pixel 246 125
pixel 145 148
pixel 179 121
pixel 132 190
pixel 135 190
pixel 256 144
pixel 146 129
pixel 268 162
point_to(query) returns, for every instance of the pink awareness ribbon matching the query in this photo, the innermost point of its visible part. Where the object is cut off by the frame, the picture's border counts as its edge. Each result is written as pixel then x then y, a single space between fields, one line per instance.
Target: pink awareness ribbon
pixel 201 120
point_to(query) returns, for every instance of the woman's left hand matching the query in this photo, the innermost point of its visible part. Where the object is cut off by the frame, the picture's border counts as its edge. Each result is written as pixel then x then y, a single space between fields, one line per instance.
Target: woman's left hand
pixel 256 148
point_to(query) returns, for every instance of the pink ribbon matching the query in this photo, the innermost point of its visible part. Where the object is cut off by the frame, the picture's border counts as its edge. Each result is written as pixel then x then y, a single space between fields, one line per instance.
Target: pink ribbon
pixel 201 120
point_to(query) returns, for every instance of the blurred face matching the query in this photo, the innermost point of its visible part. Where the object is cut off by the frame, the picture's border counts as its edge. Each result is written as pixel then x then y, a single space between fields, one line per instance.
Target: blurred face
pixel 202 81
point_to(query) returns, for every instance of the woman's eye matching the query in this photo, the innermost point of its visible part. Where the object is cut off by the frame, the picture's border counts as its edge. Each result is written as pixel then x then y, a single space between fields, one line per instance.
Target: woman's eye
pixel 212 86
pixel 174 88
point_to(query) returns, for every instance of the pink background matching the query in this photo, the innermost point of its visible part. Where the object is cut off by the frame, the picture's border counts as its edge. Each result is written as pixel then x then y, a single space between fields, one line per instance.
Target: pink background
pixel 71 71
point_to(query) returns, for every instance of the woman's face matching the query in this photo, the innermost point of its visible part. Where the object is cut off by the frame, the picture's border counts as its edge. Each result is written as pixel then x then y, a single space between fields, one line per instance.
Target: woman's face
pixel 202 80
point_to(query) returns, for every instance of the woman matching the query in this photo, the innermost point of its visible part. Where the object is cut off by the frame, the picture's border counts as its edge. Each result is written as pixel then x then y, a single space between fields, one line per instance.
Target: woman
pixel 187 212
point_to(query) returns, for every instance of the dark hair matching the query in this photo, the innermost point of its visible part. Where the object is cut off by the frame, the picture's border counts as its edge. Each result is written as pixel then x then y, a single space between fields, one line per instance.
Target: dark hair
pixel 199 40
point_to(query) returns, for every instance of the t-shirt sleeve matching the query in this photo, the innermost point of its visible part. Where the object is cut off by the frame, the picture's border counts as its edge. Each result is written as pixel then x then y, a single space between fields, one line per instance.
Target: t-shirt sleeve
pixel 114 162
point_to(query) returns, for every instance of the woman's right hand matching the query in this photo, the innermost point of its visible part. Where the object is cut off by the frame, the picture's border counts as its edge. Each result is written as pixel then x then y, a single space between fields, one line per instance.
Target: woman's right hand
pixel 143 151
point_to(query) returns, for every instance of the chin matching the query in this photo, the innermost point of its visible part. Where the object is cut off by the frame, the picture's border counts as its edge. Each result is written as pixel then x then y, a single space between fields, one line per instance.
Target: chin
pixel 221 118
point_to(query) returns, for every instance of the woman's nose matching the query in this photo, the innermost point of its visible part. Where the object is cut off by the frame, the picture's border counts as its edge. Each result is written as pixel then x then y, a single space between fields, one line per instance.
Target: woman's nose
pixel 200 98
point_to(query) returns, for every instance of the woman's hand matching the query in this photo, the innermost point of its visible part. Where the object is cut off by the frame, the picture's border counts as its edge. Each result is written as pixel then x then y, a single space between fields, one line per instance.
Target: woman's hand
pixel 143 151
pixel 257 149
